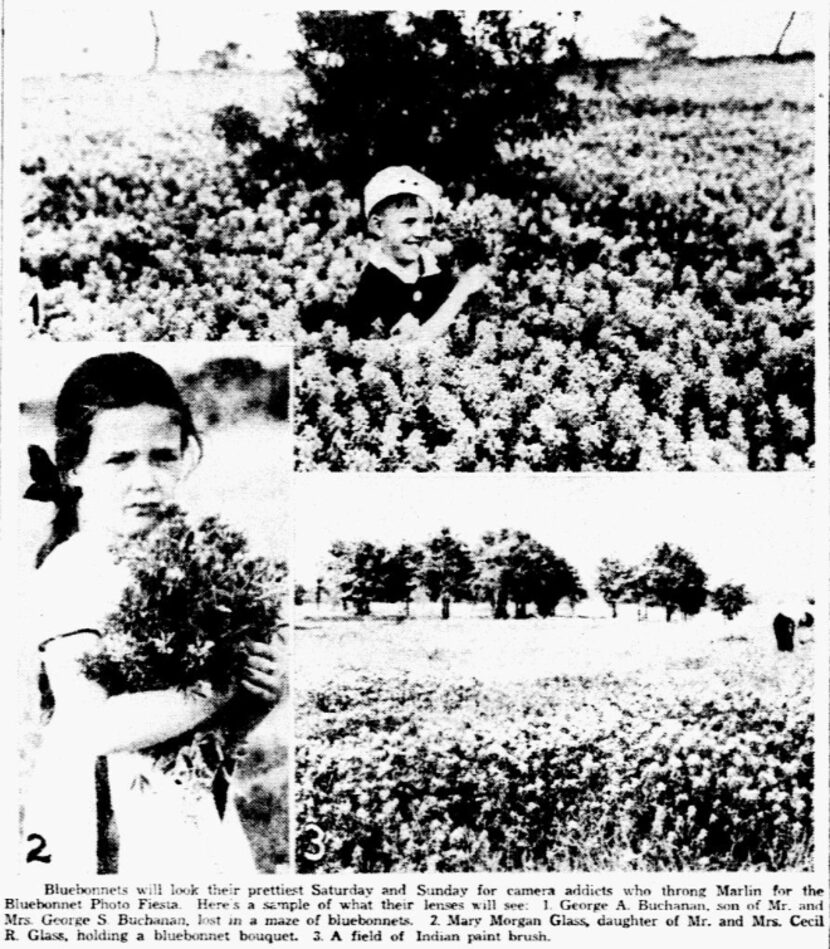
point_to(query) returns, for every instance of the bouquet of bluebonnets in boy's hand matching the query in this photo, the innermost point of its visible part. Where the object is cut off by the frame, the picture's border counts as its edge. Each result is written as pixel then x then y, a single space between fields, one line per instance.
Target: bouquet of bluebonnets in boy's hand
pixel 196 596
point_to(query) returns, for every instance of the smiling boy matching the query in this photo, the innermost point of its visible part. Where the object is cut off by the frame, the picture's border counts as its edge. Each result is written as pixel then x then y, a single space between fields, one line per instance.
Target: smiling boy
pixel 403 290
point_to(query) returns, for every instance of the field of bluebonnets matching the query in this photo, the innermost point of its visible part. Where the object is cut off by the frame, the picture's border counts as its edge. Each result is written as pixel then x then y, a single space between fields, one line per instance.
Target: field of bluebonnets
pixel 650 306
pixel 584 745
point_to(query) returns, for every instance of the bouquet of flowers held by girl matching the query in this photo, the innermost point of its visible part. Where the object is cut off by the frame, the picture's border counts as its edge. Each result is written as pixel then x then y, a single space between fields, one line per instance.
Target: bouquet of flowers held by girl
pixel 195 598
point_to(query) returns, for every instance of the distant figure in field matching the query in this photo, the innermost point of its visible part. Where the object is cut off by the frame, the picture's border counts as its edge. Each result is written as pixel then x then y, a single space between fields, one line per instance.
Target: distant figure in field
pixel 784 629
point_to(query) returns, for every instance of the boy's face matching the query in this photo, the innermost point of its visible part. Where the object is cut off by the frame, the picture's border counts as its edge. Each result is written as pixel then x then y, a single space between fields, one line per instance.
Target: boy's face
pixel 403 229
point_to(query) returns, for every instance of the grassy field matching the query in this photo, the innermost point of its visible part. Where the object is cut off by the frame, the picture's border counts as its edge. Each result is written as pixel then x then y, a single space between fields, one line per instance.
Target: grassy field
pixel 160 113
pixel 564 744
pixel 474 646
pixel 164 113
pixel 746 79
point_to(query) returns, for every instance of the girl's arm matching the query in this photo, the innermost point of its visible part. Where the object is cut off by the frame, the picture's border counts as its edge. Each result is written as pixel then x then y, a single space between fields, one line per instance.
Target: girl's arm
pixel 263 685
pixel 85 714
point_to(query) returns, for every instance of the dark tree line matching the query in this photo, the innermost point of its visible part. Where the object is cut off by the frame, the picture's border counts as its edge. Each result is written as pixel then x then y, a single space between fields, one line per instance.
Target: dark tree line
pixel 511 570
pixel 507 568
pixel 669 578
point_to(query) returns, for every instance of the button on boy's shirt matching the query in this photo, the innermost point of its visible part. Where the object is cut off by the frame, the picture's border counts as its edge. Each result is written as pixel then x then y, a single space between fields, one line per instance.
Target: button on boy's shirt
pixel 385 294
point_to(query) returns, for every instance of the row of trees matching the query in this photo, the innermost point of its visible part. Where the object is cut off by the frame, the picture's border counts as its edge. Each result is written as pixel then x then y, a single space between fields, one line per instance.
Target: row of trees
pixel 511 568
pixel 670 578
pixel 507 567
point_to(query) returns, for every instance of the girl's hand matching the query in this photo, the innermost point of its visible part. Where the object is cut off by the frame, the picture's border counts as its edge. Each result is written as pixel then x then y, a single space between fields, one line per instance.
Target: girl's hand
pixel 263 675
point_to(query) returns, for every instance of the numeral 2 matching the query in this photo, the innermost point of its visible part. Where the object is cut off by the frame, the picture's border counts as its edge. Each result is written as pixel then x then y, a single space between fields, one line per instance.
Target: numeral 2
pixel 36 854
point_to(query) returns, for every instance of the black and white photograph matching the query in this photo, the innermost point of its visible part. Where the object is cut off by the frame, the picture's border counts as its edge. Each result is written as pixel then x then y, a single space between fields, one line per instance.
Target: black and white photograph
pixel 541 261
pixel 555 673
pixel 415 473
pixel 501 243
pixel 153 540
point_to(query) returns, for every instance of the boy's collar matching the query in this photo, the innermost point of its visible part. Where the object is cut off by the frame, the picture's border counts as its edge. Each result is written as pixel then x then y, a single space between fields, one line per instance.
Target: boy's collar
pixel 429 265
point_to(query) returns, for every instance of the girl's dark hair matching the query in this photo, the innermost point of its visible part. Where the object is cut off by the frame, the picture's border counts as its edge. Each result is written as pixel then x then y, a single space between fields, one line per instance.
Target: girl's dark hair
pixel 108 381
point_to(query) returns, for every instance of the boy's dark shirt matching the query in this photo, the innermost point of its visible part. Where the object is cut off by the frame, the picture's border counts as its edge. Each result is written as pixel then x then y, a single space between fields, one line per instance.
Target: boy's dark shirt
pixel 381 298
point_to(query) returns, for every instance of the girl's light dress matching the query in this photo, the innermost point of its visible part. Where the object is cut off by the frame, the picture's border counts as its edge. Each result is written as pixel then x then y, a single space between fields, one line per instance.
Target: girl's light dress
pixel 164 829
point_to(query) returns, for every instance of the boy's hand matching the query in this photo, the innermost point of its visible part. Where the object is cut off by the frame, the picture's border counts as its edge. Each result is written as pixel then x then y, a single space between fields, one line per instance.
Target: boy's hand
pixel 407 327
pixel 473 280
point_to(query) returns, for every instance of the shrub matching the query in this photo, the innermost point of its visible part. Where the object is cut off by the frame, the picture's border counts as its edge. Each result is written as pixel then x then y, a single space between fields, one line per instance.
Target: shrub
pixel 429 91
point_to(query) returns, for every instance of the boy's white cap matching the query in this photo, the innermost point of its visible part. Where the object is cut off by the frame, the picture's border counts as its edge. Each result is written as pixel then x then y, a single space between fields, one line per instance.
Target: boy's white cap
pixel 399 179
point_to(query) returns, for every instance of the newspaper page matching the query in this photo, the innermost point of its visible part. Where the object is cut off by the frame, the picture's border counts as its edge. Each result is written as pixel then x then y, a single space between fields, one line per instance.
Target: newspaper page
pixel 414 484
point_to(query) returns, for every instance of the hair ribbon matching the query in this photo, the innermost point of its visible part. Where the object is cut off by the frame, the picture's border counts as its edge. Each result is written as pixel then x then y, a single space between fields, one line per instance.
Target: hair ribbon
pixel 46 481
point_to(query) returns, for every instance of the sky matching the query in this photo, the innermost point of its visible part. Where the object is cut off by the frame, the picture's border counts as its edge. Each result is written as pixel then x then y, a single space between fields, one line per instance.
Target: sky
pixel 751 528
pixel 48 365
pixel 50 37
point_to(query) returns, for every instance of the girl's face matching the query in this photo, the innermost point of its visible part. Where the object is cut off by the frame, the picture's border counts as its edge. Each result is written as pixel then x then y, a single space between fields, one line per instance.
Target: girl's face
pixel 131 471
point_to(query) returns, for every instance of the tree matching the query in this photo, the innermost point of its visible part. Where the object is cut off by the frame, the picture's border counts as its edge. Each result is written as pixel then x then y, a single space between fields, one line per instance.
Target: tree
pixel 674 581
pixel 237 126
pixel 776 53
pixel 441 92
pixel 156 42
pixel 402 574
pixel 668 41
pixel 339 571
pixel 513 566
pixel 614 582
pixel 557 581
pixel 358 573
pixel 639 591
pixel 730 599
pixel 446 570
pixel 527 562
pixel 225 58
pixel 492 564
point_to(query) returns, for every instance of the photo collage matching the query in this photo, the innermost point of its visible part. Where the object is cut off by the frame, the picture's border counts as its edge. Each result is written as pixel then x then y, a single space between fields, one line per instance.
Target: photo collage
pixel 412 451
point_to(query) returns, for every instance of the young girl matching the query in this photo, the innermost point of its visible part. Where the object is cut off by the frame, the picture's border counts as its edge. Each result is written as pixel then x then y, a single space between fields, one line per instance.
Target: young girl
pixel 125 441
